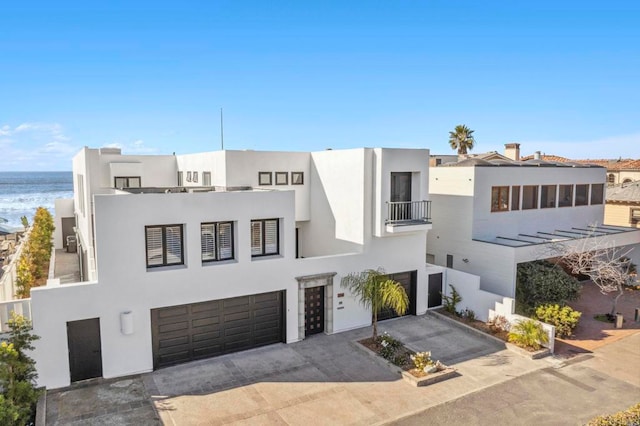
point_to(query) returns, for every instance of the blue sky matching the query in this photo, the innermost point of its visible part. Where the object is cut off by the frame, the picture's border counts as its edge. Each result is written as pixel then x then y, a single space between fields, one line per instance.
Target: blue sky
pixel 151 77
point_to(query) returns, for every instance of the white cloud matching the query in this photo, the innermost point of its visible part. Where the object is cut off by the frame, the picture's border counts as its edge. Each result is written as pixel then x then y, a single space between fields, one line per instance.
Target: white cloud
pixel 36 145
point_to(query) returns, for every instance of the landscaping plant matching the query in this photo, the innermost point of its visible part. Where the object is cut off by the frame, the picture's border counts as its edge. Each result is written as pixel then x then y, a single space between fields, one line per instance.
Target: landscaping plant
pixel 630 416
pixel 376 291
pixel 499 323
pixel 451 302
pixel 18 395
pixel 33 264
pixel 528 334
pixel 564 318
pixel 542 282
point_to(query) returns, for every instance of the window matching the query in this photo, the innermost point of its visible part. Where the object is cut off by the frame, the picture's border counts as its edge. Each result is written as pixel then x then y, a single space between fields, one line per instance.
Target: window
pixel 264 178
pixel 611 178
pixel 529 197
pixel 188 176
pixel 634 215
pixel 216 241
pixel 206 178
pixel 127 182
pixel 499 198
pixel 297 178
pixel 164 245
pixel 548 196
pixel 431 258
pixel 264 237
pixel 195 177
pixel 282 178
pixel 565 196
pixel 597 193
pixel 450 261
pixel 627 180
pixel 582 196
pixel 180 181
pixel 515 198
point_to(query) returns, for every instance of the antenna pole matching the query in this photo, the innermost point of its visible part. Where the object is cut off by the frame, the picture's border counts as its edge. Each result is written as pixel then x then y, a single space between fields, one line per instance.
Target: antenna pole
pixel 221 131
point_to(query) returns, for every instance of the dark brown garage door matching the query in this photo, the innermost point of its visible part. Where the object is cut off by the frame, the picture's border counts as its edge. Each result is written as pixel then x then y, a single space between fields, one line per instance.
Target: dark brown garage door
pixel 202 330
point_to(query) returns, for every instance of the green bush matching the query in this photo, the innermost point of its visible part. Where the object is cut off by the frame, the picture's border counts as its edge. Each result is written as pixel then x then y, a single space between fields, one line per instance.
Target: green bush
pixel 450 302
pixel 630 416
pixel 564 318
pixel 528 334
pixel 542 282
pixel 389 346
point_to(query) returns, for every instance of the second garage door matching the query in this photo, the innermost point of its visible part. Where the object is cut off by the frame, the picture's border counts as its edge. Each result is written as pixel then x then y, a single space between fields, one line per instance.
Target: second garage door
pixel 201 330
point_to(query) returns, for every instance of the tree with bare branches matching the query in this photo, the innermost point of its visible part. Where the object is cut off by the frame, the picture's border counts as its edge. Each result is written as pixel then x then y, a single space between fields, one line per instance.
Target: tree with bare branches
pixel 609 267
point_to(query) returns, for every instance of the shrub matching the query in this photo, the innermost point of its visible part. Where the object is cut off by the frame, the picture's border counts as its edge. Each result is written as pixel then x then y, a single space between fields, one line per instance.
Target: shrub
pixel 34 261
pixel 528 334
pixel 422 360
pixel 450 302
pixel 542 282
pixel 630 416
pixel 499 323
pixel 389 346
pixel 564 318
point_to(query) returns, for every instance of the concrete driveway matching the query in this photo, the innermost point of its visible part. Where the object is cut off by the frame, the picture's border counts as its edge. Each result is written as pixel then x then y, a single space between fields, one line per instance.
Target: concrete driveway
pixel 321 380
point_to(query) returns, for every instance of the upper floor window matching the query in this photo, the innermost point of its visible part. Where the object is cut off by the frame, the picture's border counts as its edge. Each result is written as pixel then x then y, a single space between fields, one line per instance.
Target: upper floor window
pixel 582 195
pixel 548 196
pixel 264 178
pixel 206 178
pixel 216 241
pixel 127 182
pixel 565 196
pixel 529 197
pixel 515 198
pixel 265 237
pixel 499 198
pixel 188 176
pixel 297 178
pixel 634 215
pixel 180 181
pixel 282 178
pixel 597 193
pixel 611 178
pixel 195 177
pixel 81 195
pixel 164 245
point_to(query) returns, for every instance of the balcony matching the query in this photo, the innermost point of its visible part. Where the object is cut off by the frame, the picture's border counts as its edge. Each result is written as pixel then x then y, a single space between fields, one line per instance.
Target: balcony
pixel 408 216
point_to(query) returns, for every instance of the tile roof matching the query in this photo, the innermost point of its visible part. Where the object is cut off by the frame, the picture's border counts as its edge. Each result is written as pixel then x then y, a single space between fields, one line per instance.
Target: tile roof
pixel 612 164
pixel 624 193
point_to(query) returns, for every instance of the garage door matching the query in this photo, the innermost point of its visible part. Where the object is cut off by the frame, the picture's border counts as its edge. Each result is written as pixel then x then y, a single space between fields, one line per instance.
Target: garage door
pixel 201 330
pixel 408 281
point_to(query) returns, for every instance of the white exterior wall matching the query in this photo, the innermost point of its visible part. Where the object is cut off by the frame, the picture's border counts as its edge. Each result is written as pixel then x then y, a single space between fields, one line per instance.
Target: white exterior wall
pixel 474 298
pixel 213 162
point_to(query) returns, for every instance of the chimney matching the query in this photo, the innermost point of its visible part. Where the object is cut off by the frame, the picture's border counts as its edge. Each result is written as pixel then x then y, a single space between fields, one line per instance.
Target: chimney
pixel 537 155
pixel 512 151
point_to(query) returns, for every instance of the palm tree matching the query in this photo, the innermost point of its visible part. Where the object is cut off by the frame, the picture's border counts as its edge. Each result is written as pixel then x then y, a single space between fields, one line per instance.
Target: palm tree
pixel 461 139
pixel 375 290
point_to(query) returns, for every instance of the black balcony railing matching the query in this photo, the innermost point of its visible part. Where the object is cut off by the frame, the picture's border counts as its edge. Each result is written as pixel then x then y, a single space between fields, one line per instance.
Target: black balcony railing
pixel 408 212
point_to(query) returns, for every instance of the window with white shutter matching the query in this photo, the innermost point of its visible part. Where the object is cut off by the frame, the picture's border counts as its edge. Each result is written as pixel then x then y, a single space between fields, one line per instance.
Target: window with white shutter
pixel 216 241
pixel 265 237
pixel 164 245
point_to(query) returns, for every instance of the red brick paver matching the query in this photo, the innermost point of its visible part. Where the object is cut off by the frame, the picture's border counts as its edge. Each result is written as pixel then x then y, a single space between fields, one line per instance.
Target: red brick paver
pixel 590 333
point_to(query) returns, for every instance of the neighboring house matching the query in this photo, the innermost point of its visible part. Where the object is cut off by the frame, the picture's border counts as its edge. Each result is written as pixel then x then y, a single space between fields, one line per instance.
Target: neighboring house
pixel 623 205
pixel 192 256
pixel 492 215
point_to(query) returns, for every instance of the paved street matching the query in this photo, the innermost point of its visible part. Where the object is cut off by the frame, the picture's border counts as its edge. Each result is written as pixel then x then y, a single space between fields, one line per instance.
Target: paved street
pixel 571 395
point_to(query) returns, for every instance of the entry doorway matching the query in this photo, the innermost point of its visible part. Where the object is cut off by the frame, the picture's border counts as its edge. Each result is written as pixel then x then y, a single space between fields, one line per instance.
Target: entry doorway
pixel 313 310
pixel 85 351
pixel 434 295
pixel 68 223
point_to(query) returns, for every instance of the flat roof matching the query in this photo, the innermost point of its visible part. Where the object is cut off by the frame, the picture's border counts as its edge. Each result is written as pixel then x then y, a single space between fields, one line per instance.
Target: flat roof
pixel 558 235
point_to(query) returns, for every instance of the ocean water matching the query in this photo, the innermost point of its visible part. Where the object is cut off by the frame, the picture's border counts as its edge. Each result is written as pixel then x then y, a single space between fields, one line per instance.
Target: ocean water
pixel 21 193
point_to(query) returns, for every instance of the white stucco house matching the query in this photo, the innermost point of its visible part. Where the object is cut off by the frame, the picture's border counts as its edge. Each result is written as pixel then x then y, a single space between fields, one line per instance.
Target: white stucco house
pixel 192 256
pixel 493 215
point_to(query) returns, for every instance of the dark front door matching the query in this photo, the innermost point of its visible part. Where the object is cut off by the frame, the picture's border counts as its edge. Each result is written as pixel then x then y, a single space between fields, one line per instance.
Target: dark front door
pixel 85 353
pixel 408 281
pixel 202 330
pixel 313 310
pixel 434 297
